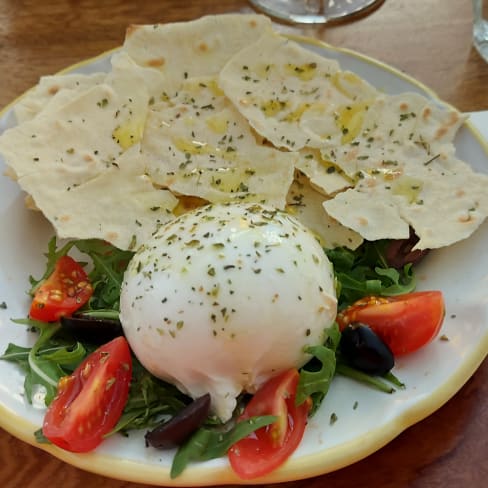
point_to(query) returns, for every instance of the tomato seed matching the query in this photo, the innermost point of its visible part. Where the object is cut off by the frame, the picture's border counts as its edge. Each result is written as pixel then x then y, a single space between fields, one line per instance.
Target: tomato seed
pixel 104 355
pixel 86 370
pixel 109 384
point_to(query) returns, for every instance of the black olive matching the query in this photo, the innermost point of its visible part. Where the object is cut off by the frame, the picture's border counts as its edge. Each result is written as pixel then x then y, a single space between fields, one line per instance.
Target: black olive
pixel 179 428
pixel 364 350
pixel 92 330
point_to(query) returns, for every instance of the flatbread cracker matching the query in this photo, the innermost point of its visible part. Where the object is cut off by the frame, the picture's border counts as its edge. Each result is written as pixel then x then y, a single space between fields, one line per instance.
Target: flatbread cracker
pixel 125 216
pixel 372 218
pixel 449 207
pixel 306 204
pixel 401 157
pixel 201 47
pixel 324 176
pixel 63 140
pixel 53 89
pixel 289 94
pixel 392 129
pixel 443 201
pixel 76 150
pixel 198 144
pixel 224 109
pixel 154 81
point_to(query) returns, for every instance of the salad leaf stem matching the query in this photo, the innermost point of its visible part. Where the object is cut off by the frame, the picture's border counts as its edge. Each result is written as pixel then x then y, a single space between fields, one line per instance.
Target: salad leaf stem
pixel 45 334
pixel 394 380
pixel 367 379
pixel 102 314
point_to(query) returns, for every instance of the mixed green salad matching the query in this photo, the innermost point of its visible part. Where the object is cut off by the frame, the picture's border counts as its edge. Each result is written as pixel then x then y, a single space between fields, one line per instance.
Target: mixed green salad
pixel 159 407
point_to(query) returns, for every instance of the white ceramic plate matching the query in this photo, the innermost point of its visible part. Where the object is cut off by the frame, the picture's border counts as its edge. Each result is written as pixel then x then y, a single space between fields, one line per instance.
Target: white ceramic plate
pixel 432 375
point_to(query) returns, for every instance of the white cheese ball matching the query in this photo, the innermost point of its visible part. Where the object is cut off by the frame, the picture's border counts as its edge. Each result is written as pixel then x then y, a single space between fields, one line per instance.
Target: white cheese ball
pixel 225 297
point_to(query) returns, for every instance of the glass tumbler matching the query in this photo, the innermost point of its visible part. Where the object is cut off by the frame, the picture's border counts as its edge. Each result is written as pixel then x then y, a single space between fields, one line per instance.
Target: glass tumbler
pixel 480 27
pixel 314 11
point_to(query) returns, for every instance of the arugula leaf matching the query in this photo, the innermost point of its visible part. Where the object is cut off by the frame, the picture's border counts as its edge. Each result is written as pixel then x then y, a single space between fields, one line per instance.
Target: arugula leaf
pixel 66 356
pixel 149 399
pixel 17 354
pixel 42 372
pixel 47 360
pixel 52 255
pixel 210 443
pixel 317 375
pixel 40 437
pixel 109 265
pixel 365 271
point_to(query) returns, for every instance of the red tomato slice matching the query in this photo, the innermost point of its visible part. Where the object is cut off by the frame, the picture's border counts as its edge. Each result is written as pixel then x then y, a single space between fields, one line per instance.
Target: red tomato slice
pixel 66 290
pixel 269 447
pixel 90 401
pixel 404 322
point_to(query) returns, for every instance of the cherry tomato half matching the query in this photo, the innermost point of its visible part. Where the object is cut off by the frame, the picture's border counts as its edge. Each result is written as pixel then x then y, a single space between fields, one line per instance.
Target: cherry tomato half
pixel 66 290
pixel 404 322
pixel 90 401
pixel 269 447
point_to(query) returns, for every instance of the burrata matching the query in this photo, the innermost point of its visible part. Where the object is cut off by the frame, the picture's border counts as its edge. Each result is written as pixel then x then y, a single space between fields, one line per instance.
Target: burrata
pixel 226 296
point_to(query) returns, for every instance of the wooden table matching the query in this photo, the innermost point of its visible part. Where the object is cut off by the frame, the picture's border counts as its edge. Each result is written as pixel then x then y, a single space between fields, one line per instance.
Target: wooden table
pixel 428 40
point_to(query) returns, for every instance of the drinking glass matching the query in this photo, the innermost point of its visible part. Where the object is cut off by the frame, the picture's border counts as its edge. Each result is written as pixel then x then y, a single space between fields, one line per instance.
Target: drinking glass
pixel 480 27
pixel 314 11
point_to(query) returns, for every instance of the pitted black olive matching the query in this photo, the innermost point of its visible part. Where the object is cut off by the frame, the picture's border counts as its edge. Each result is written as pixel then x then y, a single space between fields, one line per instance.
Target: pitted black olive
pixel 361 348
pixel 92 330
pixel 179 428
